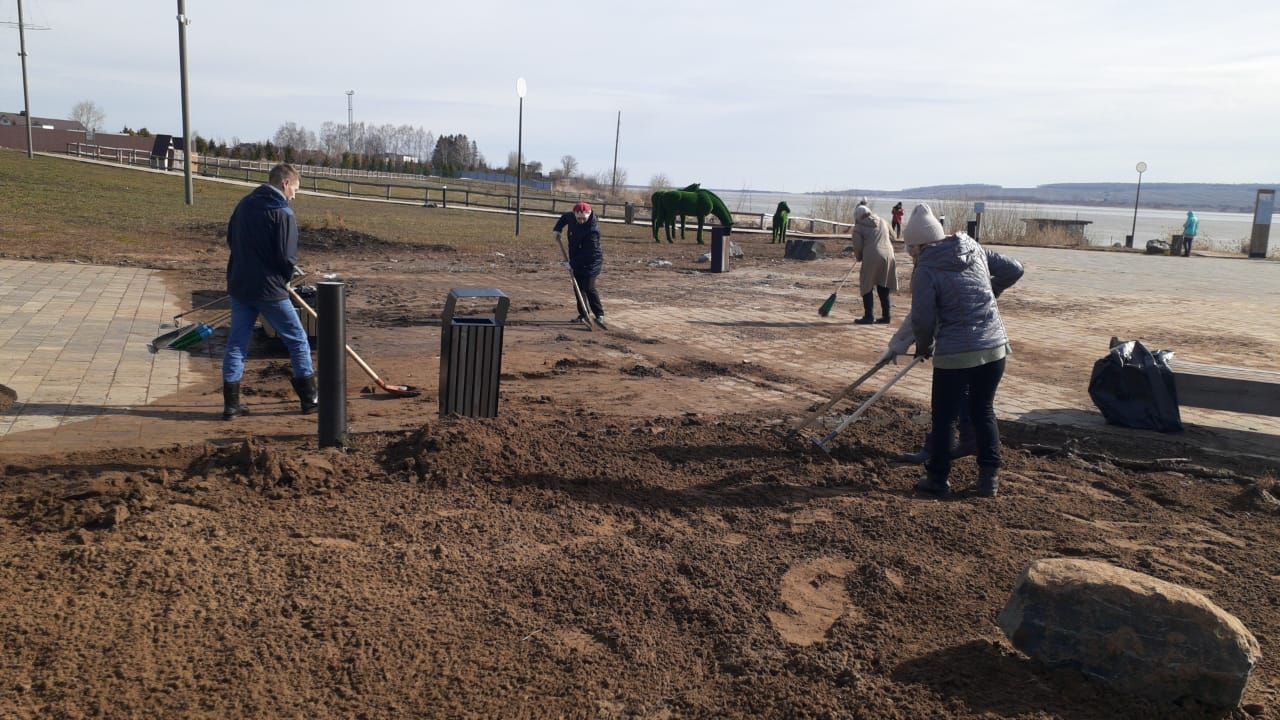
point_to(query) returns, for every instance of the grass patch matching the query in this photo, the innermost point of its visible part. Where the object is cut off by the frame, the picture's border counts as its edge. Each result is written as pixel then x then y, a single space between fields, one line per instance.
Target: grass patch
pixel 58 208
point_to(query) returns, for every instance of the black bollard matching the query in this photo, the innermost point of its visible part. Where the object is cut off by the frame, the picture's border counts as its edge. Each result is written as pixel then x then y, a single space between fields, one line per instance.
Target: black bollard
pixel 332 339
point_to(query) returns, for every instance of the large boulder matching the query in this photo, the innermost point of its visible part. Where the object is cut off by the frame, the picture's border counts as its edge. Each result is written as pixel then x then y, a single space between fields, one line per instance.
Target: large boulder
pixel 1134 632
pixel 804 249
pixel 1157 247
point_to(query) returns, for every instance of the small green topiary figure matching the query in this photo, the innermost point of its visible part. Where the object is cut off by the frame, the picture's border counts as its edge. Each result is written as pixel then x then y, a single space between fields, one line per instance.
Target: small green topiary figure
pixel 781 218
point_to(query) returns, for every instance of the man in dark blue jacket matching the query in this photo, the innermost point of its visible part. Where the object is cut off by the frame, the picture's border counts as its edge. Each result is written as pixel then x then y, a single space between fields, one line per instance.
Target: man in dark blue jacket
pixel 586 257
pixel 263 237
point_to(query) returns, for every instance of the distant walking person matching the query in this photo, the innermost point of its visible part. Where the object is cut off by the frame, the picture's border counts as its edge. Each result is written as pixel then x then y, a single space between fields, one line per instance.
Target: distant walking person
pixel 263 237
pixel 897 220
pixel 872 246
pixel 1189 231
pixel 586 257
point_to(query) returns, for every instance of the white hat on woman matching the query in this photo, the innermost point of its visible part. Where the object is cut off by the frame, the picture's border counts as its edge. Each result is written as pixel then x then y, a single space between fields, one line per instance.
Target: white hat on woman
pixel 922 228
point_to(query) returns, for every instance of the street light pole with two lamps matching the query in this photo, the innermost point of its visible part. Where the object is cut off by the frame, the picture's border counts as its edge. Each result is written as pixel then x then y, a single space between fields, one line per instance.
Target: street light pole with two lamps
pixel 521 88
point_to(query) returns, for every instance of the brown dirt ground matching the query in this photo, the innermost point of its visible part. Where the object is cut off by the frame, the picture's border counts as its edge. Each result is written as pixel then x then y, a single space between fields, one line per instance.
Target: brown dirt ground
pixel 593 552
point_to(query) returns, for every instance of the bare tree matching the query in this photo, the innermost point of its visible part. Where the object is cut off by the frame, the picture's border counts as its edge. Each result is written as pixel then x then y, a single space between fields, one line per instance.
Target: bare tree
pixel 333 138
pixel 295 136
pixel 568 165
pixel 659 182
pixel 88 114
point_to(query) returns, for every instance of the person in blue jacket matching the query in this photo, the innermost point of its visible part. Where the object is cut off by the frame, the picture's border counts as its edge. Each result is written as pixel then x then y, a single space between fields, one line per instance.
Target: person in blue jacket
pixel 956 322
pixel 263 237
pixel 1189 231
pixel 586 257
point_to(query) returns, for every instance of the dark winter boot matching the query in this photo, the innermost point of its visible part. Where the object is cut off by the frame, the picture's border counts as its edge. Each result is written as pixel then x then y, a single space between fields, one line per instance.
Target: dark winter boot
pixel 306 389
pixel 968 445
pixel 988 481
pixel 868 306
pixel 933 485
pixel 231 406
pixel 920 456
pixel 884 305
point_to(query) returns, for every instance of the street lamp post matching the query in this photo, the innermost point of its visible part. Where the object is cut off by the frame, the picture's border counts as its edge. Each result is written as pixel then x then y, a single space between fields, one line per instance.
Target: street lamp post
pixel 1141 168
pixel 521 88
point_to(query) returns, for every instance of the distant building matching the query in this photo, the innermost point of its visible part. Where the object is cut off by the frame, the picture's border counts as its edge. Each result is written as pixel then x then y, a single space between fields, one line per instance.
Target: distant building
pixel 19 119
pixel 1071 228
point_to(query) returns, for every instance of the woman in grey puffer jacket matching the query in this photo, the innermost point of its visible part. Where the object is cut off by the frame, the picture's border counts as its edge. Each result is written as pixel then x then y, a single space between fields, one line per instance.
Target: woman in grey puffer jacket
pixel 956 322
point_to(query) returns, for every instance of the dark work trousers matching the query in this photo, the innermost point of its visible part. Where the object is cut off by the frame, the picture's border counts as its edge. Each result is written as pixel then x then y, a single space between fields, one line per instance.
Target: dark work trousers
pixel 948 394
pixel 1186 245
pixel 587 284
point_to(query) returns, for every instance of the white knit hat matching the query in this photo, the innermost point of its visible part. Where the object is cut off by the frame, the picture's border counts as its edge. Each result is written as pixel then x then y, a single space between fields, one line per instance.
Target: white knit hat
pixel 922 228
pixel 860 212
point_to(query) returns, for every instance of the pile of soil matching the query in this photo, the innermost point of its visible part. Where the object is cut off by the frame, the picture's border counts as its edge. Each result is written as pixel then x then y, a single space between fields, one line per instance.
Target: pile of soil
pixel 7 397
pixel 574 563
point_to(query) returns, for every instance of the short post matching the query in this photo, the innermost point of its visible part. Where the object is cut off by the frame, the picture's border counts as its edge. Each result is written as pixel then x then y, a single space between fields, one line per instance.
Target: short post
pixel 1263 207
pixel 719 249
pixel 978 209
pixel 332 338
pixel 444 196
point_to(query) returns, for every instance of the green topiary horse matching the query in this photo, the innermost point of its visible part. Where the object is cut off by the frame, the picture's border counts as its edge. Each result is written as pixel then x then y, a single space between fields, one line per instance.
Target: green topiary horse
pixel 781 218
pixel 661 218
pixel 700 203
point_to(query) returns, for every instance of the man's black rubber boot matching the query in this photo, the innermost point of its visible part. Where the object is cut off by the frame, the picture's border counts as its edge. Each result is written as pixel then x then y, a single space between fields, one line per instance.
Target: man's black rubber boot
pixel 988 481
pixel 934 486
pixel 885 305
pixel 231 406
pixel 309 396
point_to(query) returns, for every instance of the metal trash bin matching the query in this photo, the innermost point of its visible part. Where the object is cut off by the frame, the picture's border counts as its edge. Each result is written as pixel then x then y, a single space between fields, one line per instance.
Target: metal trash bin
pixel 471 355
pixel 719 250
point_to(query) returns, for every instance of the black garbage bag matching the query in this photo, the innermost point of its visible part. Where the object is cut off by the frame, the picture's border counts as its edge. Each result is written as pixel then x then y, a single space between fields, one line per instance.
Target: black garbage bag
pixel 1133 387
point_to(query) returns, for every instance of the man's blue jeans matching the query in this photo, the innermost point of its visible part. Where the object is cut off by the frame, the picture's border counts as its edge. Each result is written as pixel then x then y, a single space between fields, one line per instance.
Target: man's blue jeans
pixel 283 317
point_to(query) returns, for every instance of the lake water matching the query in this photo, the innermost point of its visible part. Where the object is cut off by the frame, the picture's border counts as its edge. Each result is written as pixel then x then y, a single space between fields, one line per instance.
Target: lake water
pixel 1109 225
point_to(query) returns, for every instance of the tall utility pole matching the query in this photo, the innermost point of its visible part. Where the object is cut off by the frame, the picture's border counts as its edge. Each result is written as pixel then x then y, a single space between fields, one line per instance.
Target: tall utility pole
pixel 351 124
pixel 613 190
pixel 183 22
pixel 22 52
pixel 26 99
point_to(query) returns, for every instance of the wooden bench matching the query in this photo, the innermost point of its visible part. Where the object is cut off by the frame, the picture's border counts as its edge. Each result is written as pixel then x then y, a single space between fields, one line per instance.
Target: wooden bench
pixel 1217 387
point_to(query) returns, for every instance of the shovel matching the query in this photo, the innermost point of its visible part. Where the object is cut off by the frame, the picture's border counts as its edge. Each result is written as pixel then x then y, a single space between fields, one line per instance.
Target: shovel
pixel 396 390
pixel 577 292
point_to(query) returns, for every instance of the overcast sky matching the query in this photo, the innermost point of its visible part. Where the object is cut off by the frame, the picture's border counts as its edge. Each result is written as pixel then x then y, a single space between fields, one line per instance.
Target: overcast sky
pixel 795 96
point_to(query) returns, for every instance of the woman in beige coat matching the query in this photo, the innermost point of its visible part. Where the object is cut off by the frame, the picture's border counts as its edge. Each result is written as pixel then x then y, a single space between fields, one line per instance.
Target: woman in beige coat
pixel 872 246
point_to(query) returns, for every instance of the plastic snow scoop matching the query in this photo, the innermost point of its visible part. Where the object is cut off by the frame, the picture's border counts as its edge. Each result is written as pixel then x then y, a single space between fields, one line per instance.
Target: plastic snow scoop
pixel 853 416
pixel 577 292
pixel 188 335
pixel 179 334
pixel 396 390
pixel 813 417
pixel 825 310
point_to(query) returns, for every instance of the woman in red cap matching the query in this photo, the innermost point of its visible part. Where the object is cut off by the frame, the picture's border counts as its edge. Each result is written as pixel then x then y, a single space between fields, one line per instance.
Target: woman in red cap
pixel 586 258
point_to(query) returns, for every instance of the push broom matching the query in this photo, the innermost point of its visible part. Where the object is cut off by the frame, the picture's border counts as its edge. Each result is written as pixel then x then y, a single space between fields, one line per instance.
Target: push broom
pixel 825 310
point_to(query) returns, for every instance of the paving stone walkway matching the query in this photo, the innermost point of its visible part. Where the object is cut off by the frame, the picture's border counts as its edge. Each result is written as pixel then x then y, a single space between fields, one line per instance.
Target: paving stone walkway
pixel 73 345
